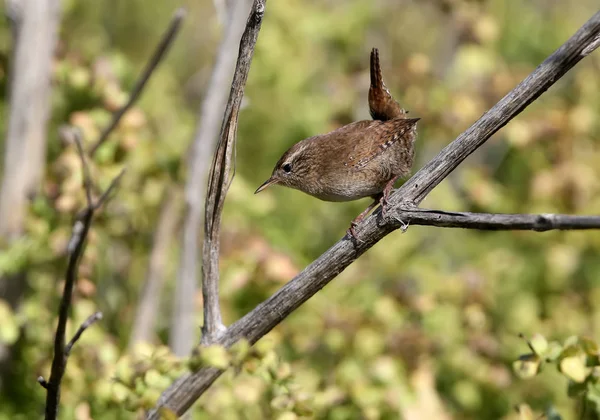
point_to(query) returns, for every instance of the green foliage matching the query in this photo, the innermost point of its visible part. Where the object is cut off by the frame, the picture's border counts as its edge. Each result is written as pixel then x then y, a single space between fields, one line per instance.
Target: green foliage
pixel 426 324
pixel 577 359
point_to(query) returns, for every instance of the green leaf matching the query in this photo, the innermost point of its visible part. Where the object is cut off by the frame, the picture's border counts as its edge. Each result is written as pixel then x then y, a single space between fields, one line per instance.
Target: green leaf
pixel 215 356
pixel 525 412
pixel 576 389
pixel 239 351
pixel 527 366
pixel 574 368
pixel 539 344
pixel 554 351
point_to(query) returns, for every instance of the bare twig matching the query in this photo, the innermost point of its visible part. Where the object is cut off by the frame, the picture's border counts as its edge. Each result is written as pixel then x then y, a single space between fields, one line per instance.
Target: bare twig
pixel 160 52
pixel 42 382
pixel 86 324
pixel 75 250
pixel 111 187
pixel 182 394
pixel 72 135
pixel 182 338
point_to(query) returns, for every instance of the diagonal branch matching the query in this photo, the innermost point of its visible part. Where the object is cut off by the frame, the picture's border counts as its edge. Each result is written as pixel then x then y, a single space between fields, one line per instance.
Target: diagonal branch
pixel 86 324
pixel 186 390
pixel 161 50
pixel 221 175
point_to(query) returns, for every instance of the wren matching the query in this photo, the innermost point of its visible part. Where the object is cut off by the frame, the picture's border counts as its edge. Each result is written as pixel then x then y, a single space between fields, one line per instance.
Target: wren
pixel 361 159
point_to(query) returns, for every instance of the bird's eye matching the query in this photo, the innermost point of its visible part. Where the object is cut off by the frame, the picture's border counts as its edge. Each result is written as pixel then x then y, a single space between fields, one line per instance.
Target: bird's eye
pixel 287 168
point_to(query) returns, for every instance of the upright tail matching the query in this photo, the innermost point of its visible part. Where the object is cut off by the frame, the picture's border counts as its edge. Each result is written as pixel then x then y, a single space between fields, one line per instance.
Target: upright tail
pixel 381 104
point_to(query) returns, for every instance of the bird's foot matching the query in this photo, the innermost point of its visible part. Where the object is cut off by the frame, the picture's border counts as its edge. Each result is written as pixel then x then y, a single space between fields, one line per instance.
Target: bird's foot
pixel 352 232
pixel 383 202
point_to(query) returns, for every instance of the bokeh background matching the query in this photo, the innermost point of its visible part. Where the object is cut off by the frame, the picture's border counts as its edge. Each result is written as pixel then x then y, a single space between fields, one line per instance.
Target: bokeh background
pixel 425 325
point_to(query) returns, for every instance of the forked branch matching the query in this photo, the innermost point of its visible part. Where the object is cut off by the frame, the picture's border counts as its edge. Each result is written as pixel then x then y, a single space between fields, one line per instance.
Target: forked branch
pixel 186 390
pixel 75 251
pixel 221 175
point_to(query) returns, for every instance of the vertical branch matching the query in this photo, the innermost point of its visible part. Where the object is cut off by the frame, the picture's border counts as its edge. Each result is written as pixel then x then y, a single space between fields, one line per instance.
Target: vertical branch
pixel 34 26
pixel 147 310
pixel 210 120
pixel 221 175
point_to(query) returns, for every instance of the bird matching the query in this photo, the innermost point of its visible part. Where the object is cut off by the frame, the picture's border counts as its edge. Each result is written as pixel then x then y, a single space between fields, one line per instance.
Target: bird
pixel 358 160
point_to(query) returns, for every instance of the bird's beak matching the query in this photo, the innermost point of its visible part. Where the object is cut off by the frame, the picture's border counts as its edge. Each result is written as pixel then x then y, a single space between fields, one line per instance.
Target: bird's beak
pixel 265 184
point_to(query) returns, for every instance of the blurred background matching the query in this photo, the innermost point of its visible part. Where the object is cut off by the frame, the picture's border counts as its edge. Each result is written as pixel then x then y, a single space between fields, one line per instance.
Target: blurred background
pixel 425 325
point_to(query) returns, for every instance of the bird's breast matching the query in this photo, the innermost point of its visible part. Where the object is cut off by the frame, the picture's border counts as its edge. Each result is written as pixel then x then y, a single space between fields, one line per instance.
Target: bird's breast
pixel 348 186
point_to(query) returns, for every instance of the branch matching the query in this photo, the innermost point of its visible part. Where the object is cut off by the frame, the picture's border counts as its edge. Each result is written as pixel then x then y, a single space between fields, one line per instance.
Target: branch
pixel 161 50
pixel 486 221
pixel 221 175
pixel 74 136
pixel 86 324
pixel 148 308
pixel 205 140
pixel 186 390
pixel 75 250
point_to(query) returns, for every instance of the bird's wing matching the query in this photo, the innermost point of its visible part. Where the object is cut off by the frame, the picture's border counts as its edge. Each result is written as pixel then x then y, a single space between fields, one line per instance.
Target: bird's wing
pixel 375 139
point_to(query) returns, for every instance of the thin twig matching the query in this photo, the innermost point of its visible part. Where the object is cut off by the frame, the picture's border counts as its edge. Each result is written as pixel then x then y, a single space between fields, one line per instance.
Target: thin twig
pixel 73 135
pixel 262 319
pixel 220 177
pixel 160 52
pixel 111 187
pixel 42 382
pixel 86 324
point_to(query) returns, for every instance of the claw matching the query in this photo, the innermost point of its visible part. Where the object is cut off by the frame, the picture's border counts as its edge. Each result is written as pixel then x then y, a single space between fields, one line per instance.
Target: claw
pixel 352 232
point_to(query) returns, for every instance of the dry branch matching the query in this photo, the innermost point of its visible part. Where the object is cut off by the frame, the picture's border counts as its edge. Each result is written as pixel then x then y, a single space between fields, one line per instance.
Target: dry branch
pixel 161 50
pixel 186 390
pixel 75 251
pixel 182 337
pixel 486 221
pixel 221 175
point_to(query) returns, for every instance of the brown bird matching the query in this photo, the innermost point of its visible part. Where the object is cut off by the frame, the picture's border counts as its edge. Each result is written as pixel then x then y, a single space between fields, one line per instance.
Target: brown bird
pixel 361 159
